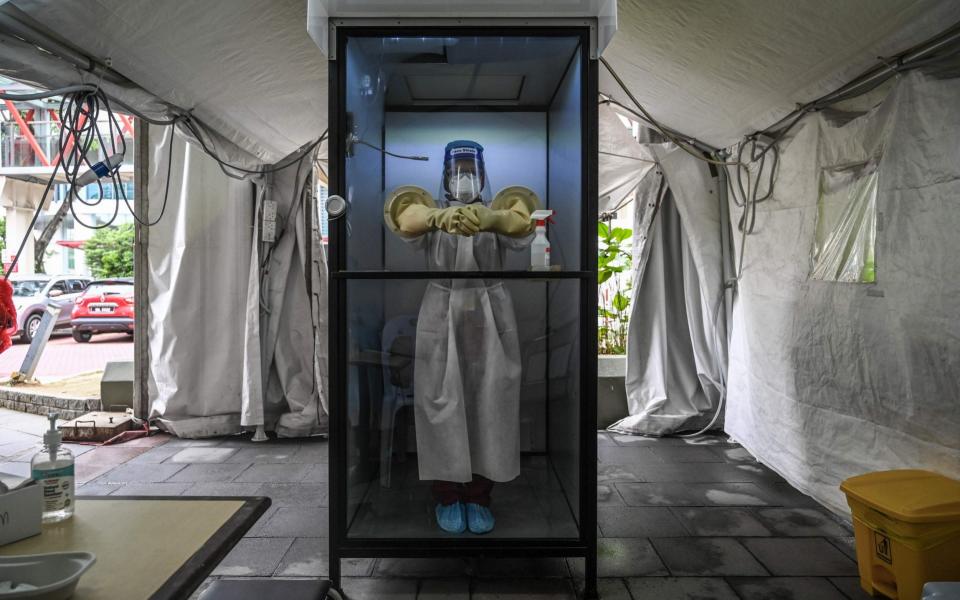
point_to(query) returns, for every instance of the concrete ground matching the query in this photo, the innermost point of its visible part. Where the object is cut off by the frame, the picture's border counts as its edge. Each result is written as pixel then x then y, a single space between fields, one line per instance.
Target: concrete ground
pixel 677 519
pixel 65 357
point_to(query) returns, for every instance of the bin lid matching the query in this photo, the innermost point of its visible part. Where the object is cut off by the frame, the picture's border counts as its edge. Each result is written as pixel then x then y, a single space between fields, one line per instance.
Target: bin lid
pixel 910 495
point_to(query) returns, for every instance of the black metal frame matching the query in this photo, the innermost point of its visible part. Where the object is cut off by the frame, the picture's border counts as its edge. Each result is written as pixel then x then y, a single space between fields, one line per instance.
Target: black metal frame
pixel 586 544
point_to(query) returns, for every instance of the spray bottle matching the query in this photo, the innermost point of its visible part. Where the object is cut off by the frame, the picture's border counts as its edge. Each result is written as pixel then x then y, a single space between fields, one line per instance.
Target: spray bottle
pixel 540 248
pixel 52 469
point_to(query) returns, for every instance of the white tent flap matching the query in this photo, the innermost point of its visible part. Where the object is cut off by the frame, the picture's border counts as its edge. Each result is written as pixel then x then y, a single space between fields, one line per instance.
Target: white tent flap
pixel 828 380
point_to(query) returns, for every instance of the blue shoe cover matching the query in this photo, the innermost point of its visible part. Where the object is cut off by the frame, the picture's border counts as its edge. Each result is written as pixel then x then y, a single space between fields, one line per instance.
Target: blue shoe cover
pixel 450 517
pixel 479 518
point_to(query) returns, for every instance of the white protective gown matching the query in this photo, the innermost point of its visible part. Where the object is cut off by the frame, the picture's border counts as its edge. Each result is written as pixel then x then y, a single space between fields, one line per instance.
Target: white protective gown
pixel 467 369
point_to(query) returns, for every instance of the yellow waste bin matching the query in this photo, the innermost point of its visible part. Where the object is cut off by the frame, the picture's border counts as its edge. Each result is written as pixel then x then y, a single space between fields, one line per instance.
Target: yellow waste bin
pixel 907 528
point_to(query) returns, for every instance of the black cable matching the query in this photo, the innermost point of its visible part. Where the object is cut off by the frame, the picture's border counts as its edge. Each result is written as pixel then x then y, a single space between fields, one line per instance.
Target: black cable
pixel 195 130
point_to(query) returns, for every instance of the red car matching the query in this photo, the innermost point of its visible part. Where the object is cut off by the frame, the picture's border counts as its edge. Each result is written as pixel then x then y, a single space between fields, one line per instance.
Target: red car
pixel 106 306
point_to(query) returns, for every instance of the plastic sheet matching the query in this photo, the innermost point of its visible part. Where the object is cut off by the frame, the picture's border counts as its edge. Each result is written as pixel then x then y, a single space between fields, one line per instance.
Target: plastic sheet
pixel 843 248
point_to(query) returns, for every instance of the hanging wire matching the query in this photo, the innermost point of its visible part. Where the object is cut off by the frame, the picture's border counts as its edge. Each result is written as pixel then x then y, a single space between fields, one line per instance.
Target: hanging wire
pixel 88 129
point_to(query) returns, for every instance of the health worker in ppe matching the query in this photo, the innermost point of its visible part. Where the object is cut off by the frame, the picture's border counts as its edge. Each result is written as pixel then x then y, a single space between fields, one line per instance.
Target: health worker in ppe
pixel 467 365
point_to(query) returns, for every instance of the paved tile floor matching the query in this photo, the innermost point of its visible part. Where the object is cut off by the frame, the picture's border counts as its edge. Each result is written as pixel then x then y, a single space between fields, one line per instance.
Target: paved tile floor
pixel 677 518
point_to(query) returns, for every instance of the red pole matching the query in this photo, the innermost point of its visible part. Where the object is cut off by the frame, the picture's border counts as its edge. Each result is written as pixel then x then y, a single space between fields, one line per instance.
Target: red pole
pixel 27 133
pixel 69 145
pixel 127 124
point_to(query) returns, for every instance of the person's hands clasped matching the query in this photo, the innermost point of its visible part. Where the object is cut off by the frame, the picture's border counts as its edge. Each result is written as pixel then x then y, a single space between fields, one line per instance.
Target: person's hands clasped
pixel 458 220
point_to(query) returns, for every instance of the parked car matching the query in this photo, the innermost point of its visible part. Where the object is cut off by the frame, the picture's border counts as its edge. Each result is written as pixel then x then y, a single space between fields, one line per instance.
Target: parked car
pixel 32 293
pixel 106 306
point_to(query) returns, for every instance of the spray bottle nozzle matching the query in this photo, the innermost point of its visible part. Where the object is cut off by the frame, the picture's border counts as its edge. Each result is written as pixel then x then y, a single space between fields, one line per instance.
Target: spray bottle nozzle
pixel 542 216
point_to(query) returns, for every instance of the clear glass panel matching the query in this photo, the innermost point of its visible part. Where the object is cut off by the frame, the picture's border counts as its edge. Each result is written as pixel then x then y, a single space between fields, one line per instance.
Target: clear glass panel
pixel 453 380
pixel 508 106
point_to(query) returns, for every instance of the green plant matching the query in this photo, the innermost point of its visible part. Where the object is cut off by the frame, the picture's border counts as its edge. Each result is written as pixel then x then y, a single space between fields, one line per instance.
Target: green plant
pixel 109 252
pixel 614 262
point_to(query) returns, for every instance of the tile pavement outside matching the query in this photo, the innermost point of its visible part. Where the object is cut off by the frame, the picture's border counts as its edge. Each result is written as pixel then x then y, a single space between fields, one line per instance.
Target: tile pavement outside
pixel 677 519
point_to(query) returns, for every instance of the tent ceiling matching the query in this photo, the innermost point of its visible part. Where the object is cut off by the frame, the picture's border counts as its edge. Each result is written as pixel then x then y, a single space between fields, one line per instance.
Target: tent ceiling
pixel 715 70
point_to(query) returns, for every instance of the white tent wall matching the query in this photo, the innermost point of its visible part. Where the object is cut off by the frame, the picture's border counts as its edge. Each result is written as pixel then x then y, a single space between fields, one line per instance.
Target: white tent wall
pixel 231 345
pixel 676 345
pixel 829 380
pixel 199 257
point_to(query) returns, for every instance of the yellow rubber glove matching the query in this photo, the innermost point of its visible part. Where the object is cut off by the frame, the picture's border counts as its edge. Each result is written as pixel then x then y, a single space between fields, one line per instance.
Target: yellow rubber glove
pixel 458 220
pixel 509 213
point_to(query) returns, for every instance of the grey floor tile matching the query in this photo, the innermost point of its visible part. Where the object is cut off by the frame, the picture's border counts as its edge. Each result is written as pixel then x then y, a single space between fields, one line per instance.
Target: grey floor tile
pixel 444 589
pixel 607 495
pixel 274 473
pixel 623 557
pixel 719 522
pixel 222 489
pixel 296 521
pixel 422 567
pixel 850 588
pixel 680 588
pixel 692 494
pixel 110 455
pixel 255 453
pixel 317 473
pixel 784 494
pixel 309 557
pixel 183 442
pixel 604 439
pixel 706 556
pixel 312 452
pixel 801 522
pixel 713 438
pixel 94 489
pixel 628 521
pixel 294 494
pixel 521 567
pixel 704 473
pixel 202 454
pixel 369 588
pixel 155 455
pixel 609 588
pixel 785 588
pixel 735 454
pixel 615 473
pixel 152 489
pixel 207 473
pixel 686 454
pixel 801 556
pixel 626 455
pixel 78 449
pixel 254 556
pixel 139 473
pixel 846 544
pixel 523 589
pixel 621 439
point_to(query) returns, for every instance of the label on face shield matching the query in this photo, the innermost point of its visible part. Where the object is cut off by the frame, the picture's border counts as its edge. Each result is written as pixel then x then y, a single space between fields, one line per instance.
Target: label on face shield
pixel 463 152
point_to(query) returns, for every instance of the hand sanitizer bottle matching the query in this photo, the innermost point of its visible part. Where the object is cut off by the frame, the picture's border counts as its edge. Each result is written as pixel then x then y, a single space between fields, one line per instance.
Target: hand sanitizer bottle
pixel 540 247
pixel 52 469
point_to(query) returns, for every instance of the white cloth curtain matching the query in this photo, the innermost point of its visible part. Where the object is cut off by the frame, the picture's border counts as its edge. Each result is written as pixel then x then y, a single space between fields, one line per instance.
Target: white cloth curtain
pixel 829 379
pixel 237 329
pixel 676 343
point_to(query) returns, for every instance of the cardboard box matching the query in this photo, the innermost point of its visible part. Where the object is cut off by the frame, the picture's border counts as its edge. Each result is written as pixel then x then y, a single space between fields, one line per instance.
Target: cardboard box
pixel 20 513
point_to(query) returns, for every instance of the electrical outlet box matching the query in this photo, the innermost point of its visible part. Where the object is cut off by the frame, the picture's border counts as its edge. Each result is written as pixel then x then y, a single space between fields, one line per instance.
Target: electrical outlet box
pixel 269 210
pixel 269 231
